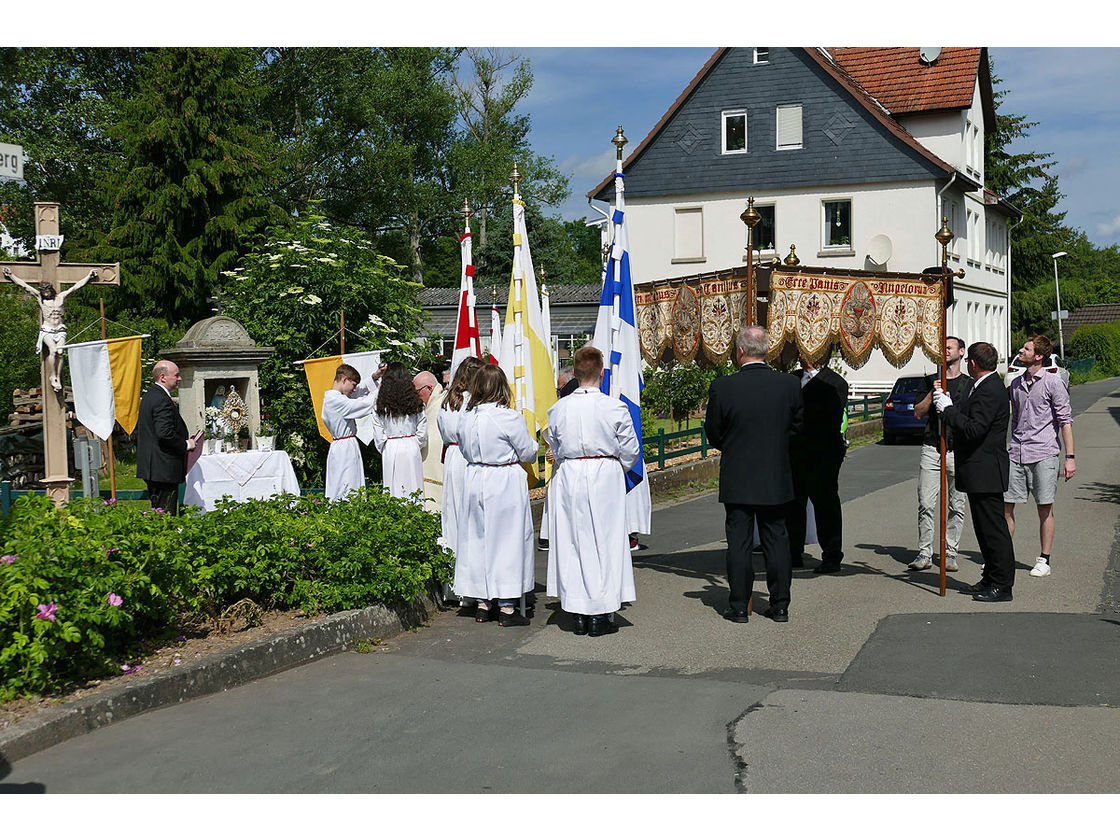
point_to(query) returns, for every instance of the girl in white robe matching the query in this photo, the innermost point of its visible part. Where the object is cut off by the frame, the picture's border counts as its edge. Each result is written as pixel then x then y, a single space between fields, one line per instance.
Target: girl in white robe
pixel 494 543
pixel 453 464
pixel 592 440
pixel 345 402
pixel 400 430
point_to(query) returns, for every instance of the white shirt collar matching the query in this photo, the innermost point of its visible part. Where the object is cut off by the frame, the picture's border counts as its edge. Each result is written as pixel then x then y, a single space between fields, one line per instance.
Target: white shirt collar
pixel 160 384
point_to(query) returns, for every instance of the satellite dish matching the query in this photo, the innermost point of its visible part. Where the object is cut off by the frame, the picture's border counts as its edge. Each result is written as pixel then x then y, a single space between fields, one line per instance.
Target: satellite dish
pixel 929 55
pixel 879 249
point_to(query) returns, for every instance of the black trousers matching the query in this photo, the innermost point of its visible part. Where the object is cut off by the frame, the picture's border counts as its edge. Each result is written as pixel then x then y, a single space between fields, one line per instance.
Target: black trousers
pixel 164 495
pixel 740 522
pixel 818 481
pixel 996 546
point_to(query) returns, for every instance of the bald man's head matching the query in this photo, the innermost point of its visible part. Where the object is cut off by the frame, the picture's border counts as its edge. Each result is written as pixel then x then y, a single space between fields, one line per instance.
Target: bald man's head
pixel 425 384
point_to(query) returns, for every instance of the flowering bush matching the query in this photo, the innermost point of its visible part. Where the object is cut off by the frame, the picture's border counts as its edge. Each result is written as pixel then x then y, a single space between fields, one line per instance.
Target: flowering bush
pixel 82 586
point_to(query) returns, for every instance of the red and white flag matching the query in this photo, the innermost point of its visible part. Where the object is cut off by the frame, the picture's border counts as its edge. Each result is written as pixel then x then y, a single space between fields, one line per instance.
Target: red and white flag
pixel 466 327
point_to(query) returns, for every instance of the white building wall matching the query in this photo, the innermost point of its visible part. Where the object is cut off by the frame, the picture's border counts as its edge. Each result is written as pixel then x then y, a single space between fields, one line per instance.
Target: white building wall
pixel 940 133
pixel 907 213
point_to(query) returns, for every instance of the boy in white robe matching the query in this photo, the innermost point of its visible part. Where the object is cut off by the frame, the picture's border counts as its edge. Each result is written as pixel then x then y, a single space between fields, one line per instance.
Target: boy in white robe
pixel 343 403
pixel 592 441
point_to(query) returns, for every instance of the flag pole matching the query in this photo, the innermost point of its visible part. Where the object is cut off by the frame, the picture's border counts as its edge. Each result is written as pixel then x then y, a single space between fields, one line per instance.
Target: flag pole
pixel 342 332
pixel 112 460
pixel 616 319
pixel 944 236
pixel 518 326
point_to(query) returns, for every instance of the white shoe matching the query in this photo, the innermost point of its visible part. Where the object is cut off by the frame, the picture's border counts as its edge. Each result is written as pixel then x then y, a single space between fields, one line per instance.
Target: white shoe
pixel 951 564
pixel 920 564
pixel 1041 568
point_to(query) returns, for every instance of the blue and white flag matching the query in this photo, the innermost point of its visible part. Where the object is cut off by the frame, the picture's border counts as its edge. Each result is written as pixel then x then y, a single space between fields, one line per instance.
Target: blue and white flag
pixel 616 336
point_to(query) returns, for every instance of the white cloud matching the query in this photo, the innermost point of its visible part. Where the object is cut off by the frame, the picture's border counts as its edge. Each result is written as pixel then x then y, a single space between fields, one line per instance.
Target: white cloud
pixel 1109 230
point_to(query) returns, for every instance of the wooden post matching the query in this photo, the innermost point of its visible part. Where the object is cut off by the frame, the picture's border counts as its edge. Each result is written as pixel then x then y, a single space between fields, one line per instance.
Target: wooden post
pixel 112 459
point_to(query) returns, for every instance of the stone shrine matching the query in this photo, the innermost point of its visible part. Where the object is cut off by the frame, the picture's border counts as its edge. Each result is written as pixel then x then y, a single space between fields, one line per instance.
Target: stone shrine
pixel 215 353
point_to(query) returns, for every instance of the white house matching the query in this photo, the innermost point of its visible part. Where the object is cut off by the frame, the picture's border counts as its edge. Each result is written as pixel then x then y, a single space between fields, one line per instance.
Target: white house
pixel 853 156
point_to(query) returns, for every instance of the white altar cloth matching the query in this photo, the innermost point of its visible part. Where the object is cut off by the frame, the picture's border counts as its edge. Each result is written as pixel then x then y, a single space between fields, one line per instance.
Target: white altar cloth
pixel 241 475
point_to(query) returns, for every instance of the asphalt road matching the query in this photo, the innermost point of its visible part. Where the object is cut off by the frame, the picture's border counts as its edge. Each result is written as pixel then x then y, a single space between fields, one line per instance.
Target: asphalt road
pixel 876 684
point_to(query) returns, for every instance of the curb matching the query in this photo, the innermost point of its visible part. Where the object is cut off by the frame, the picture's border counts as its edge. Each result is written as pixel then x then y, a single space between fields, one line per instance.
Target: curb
pixel 217 672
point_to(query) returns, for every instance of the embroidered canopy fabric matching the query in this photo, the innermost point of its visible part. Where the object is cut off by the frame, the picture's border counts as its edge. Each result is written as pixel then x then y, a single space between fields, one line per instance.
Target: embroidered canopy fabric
pixel 857 312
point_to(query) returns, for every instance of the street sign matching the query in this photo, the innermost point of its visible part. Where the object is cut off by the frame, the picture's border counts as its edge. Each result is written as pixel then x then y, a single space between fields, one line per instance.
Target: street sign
pixel 1054 315
pixel 11 161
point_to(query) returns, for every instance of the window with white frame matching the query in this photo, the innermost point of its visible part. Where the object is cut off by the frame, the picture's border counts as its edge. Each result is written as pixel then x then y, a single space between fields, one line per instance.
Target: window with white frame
pixel 763 237
pixel 788 127
pixel 954 216
pixel 688 234
pixel 837 229
pixel 735 132
pixel 973 235
pixel 761 55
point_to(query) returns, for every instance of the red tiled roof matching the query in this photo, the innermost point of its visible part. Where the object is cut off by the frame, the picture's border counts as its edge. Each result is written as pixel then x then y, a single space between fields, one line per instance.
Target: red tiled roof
pixel 904 84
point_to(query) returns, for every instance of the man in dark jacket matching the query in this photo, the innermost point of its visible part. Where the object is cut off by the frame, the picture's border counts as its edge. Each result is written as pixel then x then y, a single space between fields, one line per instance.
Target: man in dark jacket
pixel 816 455
pixel 979 426
pixel 162 442
pixel 751 416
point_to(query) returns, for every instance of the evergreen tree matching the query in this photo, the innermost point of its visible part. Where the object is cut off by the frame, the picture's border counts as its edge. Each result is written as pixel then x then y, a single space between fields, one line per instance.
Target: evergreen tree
pixel 192 196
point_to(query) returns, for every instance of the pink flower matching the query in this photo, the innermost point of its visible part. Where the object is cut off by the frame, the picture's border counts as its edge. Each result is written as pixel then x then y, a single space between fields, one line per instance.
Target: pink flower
pixel 47 611
pixel 129 668
pixel 109 551
pixel 115 600
pixel 8 559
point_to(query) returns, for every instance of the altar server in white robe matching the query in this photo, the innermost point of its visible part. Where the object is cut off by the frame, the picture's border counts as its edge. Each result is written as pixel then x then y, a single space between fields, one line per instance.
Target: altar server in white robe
pixel 454 466
pixel 592 441
pixel 346 401
pixel 400 429
pixel 494 541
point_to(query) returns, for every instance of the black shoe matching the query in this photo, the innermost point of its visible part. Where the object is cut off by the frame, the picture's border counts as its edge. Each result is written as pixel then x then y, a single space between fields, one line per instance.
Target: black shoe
pixel 513 619
pixel 976 587
pixel 827 569
pixel 481 614
pixel 600 625
pixel 542 545
pixel 799 561
pixel 738 616
pixel 993 593
pixel 581 624
pixel 779 615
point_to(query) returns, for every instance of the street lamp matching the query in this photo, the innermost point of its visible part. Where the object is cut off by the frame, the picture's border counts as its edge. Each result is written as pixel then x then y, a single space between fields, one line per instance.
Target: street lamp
pixel 1058 299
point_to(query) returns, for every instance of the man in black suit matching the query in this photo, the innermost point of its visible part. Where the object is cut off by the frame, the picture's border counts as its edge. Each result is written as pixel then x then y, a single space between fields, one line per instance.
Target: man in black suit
pixel 751 416
pixel 162 442
pixel 816 455
pixel 979 426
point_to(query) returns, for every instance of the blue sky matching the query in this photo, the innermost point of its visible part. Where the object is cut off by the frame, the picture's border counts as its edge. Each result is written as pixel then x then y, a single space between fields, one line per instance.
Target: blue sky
pixel 581 95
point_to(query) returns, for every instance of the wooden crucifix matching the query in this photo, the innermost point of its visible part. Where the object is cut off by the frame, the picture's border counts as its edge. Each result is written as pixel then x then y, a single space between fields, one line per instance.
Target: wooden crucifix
pixel 50 274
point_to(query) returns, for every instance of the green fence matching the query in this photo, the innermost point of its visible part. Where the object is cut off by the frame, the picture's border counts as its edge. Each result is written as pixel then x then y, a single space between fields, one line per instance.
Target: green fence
pixel 1081 366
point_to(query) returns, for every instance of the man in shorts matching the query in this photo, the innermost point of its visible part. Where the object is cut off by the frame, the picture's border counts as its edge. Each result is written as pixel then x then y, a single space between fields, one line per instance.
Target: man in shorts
pixel 1041 425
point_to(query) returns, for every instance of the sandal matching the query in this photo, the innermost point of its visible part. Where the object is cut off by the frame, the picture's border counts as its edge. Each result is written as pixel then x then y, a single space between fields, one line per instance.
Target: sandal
pixel 481 614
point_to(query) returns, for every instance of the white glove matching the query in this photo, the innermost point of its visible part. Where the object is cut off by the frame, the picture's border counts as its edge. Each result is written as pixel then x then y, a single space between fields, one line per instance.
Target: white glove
pixel 941 400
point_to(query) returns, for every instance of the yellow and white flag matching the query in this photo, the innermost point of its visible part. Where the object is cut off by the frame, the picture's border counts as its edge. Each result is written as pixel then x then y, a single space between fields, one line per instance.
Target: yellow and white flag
pixel 525 357
pixel 320 378
pixel 105 376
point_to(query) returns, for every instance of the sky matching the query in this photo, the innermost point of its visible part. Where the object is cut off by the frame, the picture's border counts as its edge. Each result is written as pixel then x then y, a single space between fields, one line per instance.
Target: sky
pixel 1072 93
pixel 633 60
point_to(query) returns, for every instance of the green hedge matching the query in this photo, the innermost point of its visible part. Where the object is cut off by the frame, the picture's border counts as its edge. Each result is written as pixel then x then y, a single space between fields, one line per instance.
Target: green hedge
pixel 1102 342
pixel 82 586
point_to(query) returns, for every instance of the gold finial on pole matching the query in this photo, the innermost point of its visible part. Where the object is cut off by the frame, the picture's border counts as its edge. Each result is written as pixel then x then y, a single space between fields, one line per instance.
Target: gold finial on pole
pixel 792 258
pixel 619 141
pixel 466 213
pixel 515 178
pixel 750 217
pixel 944 236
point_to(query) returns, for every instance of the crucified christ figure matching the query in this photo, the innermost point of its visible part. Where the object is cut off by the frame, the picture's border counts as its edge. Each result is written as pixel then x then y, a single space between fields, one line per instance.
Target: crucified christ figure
pixel 52 331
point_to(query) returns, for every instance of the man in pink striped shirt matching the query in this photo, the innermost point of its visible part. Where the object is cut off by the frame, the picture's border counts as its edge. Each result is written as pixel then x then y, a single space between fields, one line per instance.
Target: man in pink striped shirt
pixel 1041 423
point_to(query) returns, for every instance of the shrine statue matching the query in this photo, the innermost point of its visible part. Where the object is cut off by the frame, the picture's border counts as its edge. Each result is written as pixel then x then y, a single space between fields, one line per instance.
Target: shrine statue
pixel 52 331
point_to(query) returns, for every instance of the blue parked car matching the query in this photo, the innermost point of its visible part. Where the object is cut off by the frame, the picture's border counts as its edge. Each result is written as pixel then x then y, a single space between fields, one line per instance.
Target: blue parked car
pixel 898 410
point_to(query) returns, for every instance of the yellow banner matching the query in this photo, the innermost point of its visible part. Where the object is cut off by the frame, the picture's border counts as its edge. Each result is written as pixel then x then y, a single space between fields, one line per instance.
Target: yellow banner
pixel 124 367
pixel 320 377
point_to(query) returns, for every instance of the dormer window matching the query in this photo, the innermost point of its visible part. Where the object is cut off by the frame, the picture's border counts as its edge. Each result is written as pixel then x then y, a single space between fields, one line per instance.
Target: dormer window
pixel 761 55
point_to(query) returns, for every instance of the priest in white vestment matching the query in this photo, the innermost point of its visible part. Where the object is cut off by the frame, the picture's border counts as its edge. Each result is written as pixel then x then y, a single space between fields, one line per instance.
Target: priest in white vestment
pixel 494 542
pixel 592 441
pixel 432 394
pixel 346 401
